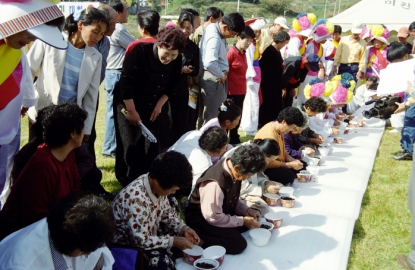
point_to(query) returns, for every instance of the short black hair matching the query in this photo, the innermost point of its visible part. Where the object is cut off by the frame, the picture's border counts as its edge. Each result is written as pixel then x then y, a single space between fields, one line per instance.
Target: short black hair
pixel 269 146
pixel 231 113
pixel 337 29
pixel 281 37
pixel 37 127
pixel 93 16
pixel 411 26
pixel 117 5
pixel 172 38
pixel 291 115
pixel 373 79
pixel 396 51
pixel 374 86
pixel 249 158
pixel 60 121
pixel 316 104
pixel 213 139
pixel 185 16
pixel 213 12
pixel 192 11
pixel 149 20
pixel 80 221
pixel 247 33
pixel 171 169
pixel 234 21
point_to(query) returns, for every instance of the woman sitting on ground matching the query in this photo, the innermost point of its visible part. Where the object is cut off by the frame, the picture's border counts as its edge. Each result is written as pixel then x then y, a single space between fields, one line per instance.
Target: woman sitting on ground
pixel 146 218
pixel 199 148
pixel 285 167
pixel 312 107
pixel 51 172
pixel 215 210
pixel 253 187
pixel 228 117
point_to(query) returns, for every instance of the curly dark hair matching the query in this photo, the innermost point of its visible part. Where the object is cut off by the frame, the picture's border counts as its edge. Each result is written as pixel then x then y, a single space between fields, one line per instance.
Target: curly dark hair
pixel 316 105
pixel 249 158
pixel 291 115
pixel 396 51
pixel 280 37
pixel 149 20
pixel 213 139
pixel 232 112
pixel 37 127
pixel 93 16
pixel 171 38
pixel 171 169
pixel 234 21
pixel 60 121
pixel 269 146
pixel 80 221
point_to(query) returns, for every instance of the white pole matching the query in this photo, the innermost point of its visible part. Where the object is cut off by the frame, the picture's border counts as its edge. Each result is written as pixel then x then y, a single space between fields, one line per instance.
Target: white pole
pixel 165 7
pixel 334 10
pixel 237 9
pixel 340 2
pixel 325 7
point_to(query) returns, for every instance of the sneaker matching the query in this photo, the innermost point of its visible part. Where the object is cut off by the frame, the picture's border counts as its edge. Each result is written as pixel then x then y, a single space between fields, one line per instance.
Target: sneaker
pixel 403 261
pixel 404 155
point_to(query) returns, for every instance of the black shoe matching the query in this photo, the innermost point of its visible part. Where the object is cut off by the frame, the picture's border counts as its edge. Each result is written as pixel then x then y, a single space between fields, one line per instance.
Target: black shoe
pixel 112 155
pixel 404 155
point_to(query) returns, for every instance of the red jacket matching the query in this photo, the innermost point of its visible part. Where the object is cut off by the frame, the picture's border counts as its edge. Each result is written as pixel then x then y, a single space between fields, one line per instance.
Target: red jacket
pixel 237 72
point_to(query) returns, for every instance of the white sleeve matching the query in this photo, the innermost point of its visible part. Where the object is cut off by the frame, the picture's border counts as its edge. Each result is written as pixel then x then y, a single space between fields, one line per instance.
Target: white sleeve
pixel 29 94
pixel 292 47
pixel 250 72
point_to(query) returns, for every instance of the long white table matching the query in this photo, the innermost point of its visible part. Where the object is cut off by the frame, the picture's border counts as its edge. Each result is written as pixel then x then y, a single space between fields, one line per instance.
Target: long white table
pixel 317 232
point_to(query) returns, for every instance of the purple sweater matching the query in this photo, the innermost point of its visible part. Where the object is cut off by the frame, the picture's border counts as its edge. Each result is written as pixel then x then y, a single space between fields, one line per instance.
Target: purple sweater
pixel 292 145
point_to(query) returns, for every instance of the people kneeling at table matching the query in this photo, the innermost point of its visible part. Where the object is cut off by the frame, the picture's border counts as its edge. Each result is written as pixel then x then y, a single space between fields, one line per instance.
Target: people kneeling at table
pixel 147 217
pixel 215 210
pixel 73 236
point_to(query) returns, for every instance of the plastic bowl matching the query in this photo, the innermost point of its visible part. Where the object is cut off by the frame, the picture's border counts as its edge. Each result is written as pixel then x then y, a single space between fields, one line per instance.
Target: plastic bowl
pixel 191 255
pixel 287 202
pixel 216 253
pixel 329 139
pixel 275 218
pixel 271 199
pixel 212 262
pixel 324 150
pixel 268 224
pixel 314 170
pixel 339 140
pixel 313 161
pixel 260 237
pixel 303 177
pixel 286 191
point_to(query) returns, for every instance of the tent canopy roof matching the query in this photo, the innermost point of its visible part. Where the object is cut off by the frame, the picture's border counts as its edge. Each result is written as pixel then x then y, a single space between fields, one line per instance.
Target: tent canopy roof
pixel 392 13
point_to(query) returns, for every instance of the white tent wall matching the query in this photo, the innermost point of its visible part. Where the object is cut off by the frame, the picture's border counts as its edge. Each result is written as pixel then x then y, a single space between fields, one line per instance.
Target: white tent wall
pixel 392 13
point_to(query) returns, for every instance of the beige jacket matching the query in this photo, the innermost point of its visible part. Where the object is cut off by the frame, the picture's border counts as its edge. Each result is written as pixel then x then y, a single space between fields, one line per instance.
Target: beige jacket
pixel 50 64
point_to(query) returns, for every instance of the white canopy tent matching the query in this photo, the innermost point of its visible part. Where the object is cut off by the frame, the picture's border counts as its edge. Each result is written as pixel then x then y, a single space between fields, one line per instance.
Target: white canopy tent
pixel 392 13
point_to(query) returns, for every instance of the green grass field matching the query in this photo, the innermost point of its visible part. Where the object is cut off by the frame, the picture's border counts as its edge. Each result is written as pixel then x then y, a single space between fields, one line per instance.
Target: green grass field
pixel 383 228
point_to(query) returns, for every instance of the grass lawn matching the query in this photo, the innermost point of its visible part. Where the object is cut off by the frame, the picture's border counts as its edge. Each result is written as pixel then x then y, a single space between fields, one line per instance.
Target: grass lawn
pixel 383 228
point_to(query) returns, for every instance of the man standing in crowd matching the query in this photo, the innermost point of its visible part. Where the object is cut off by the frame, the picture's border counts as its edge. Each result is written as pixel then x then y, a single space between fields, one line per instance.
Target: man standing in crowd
pixel 330 49
pixel 403 35
pixel 212 15
pixel 351 54
pixel 119 41
pixel 265 39
pixel 213 51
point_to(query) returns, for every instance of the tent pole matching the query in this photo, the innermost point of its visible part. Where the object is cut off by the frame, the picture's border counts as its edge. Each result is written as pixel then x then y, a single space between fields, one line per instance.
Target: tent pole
pixel 340 2
pixel 325 7
pixel 334 10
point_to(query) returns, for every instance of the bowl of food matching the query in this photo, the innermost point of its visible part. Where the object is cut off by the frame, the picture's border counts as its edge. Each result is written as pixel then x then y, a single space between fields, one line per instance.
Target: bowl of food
pixel 338 140
pixel 274 218
pixel 287 202
pixel 192 255
pixel 303 176
pixel 322 158
pixel 271 199
pixel 216 253
pixel 266 225
pixel 324 150
pixel 313 161
pixel 314 170
pixel 260 237
pixel 286 191
pixel 206 264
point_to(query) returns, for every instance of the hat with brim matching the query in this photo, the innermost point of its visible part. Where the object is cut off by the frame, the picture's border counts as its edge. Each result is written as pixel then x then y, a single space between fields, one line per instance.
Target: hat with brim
pixel 313 61
pixel 31 15
pixel 282 22
pixel 319 39
pixel 403 32
pixel 382 39
pixel 305 33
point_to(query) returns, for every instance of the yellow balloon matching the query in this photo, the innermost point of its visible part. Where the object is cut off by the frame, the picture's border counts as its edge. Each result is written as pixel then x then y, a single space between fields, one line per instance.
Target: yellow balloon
pixel 378 30
pixel 330 27
pixel 312 18
pixel 349 96
pixel 328 89
pixel 336 78
pixel 296 25
pixel 307 91
pixel 352 85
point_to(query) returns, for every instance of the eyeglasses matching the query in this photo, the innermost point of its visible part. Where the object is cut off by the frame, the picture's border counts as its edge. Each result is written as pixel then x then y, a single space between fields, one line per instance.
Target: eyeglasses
pixel 293 127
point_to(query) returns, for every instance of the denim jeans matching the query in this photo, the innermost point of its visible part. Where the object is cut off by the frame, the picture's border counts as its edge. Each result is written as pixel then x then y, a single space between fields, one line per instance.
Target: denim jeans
pixel 111 79
pixel 408 130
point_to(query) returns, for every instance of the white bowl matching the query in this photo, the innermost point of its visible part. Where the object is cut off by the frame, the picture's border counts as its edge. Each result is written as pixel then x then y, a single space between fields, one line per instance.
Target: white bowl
pixel 274 218
pixel 271 199
pixel 314 170
pixel 260 237
pixel 329 140
pixel 215 252
pixel 209 261
pixel 313 161
pixel 324 150
pixel 286 191
pixel 191 255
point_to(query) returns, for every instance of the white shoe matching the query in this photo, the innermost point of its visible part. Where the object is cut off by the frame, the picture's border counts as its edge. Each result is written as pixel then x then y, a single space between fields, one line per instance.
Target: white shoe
pixel 394 131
